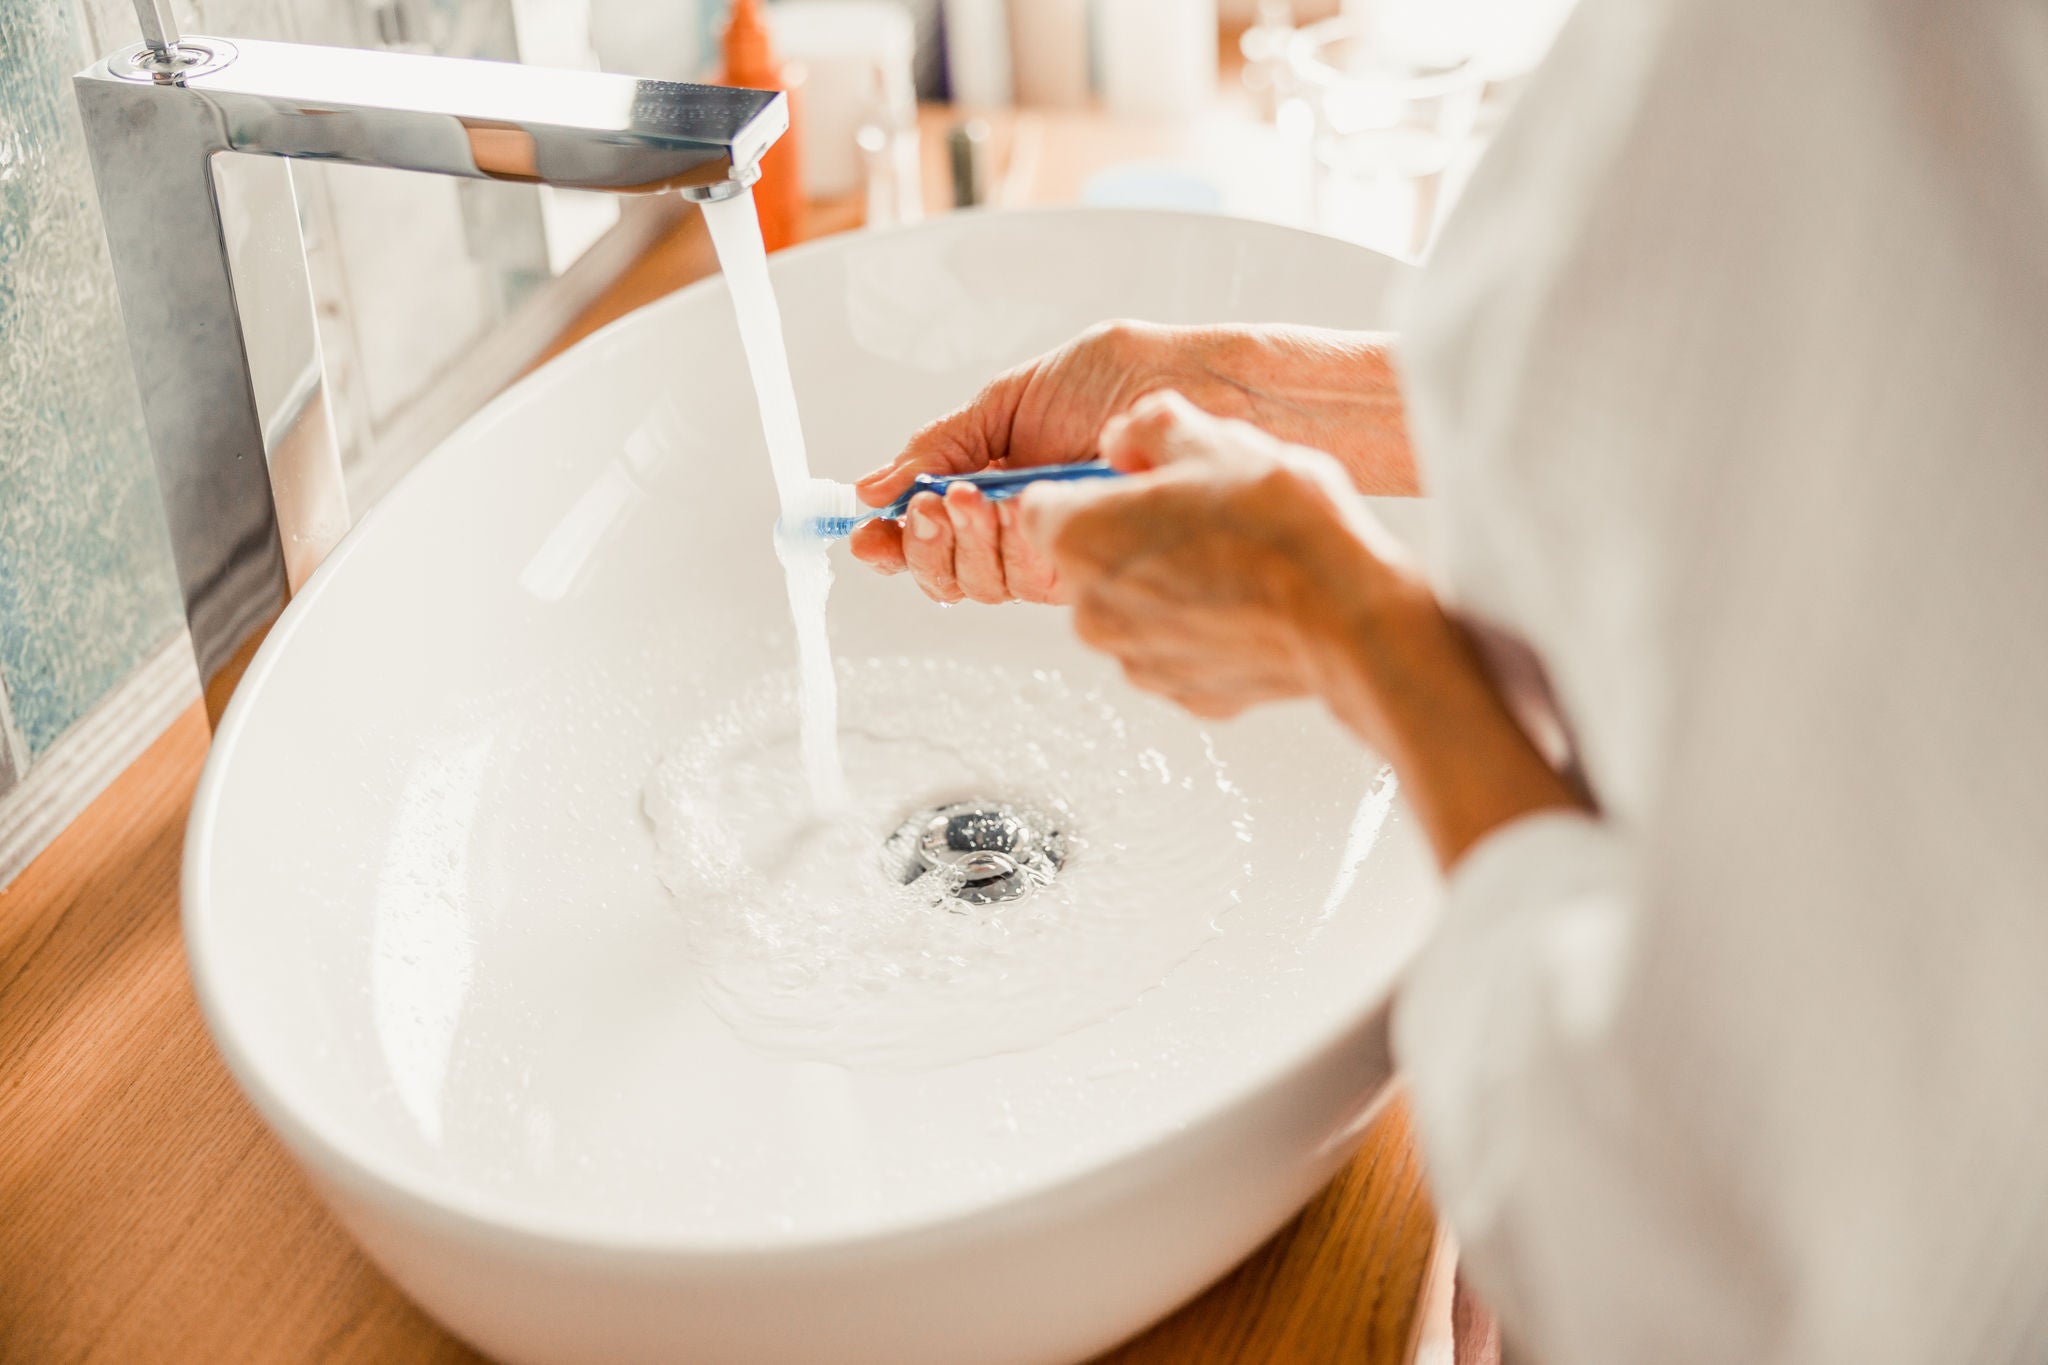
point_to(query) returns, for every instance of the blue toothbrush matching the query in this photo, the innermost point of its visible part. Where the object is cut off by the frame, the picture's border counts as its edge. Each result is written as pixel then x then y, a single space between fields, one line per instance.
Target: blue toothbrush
pixel 837 510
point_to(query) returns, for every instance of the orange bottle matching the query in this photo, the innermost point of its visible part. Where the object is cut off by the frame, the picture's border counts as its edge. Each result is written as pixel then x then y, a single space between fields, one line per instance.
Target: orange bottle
pixel 750 61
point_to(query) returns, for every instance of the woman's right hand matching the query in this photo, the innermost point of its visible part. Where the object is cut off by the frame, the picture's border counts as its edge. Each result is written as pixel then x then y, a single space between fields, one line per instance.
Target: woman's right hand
pixel 1048 411
pixel 1312 387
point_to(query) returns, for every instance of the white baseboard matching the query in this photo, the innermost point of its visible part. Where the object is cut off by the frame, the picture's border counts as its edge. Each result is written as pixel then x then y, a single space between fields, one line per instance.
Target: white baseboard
pixel 93 752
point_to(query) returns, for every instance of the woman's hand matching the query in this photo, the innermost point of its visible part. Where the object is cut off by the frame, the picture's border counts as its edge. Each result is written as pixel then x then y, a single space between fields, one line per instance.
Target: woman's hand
pixel 1335 390
pixel 1233 569
pixel 1216 575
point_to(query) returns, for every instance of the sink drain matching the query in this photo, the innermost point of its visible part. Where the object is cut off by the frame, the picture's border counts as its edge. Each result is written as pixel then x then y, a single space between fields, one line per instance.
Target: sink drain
pixel 977 852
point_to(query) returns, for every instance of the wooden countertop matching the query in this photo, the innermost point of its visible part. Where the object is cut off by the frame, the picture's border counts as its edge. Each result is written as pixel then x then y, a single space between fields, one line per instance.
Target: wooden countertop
pixel 146 1215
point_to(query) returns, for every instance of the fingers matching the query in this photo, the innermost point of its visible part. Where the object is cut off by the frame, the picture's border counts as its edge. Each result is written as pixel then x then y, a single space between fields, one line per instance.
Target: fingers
pixel 980 433
pixel 965 548
pixel 961 547
pixel 1045 510
pixel 928 548
pixel 1159 429
pixel 1101 628
pixel 977 552
pixel 1177 686
pixel 879 545
pixel 948 446
pixel 1209 705
pixel 1031 574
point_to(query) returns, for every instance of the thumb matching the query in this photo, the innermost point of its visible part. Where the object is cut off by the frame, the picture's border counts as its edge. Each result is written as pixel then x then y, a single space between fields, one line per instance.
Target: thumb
pixel 951 445
pixel 1153 433
pixel 963 441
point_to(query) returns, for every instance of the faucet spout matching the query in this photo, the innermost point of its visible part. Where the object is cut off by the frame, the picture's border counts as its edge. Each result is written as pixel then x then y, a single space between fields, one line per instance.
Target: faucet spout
pixel 742 178
pixel 155 116
pixel 452 116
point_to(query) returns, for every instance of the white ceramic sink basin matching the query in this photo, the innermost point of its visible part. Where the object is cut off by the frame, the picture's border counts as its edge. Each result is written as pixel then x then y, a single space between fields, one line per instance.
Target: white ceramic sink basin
pixel 423 915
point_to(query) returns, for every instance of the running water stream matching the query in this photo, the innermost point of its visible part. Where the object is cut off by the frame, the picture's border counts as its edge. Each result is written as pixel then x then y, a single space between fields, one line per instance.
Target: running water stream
pixel 806 564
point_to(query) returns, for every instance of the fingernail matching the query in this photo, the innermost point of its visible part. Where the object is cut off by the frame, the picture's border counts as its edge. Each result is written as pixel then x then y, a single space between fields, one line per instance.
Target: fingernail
pixel 923 523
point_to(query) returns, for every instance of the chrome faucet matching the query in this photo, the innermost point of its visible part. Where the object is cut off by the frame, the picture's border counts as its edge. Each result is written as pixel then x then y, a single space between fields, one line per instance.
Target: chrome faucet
pixel 156 113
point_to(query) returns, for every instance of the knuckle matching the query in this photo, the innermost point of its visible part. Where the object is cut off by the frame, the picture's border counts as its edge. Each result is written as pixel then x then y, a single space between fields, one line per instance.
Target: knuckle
pixel 1154 418
pixel 1117 336
pixel 1157 405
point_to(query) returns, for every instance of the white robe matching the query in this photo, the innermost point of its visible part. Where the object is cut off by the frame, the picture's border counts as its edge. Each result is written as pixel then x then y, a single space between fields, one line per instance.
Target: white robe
pixel 1730 382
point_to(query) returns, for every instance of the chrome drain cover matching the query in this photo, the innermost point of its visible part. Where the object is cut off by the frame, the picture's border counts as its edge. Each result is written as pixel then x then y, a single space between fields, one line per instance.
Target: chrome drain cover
pixel 977 852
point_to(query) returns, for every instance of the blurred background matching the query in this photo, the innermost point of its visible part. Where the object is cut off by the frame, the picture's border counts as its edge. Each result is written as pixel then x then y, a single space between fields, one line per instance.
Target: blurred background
pixel 428 295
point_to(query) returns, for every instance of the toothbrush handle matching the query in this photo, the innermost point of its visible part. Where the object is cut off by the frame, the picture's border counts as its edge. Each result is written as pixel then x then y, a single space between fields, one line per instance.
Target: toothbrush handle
pixel 998 484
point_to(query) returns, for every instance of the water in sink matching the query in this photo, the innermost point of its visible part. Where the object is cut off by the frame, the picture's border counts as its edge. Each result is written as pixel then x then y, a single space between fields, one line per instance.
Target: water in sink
pixel 806 944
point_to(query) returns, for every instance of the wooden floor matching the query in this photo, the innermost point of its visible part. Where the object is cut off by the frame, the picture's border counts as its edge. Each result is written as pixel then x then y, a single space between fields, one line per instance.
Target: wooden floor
pixel 147 1216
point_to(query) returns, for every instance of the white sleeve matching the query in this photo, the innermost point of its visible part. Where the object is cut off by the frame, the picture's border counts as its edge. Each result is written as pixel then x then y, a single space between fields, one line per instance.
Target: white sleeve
pixel 1734 386
pixel 1513 1029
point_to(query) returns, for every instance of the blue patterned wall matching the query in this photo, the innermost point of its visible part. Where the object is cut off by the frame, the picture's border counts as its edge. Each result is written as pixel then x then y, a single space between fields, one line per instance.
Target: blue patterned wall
pixel 87 589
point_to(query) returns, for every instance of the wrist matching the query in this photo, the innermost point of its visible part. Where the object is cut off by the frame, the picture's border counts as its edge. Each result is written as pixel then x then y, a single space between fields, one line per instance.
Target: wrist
pixel 1402 675
pixel 1368 624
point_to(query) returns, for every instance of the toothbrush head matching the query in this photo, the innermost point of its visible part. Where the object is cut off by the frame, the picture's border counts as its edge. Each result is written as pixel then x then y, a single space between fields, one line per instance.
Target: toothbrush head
pixel 835 528
pixel 825 510
pixel 820 510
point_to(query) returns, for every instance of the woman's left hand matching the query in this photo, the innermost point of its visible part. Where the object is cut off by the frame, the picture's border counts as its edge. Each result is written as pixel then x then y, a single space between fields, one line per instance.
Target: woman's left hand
pixel 1218 574
pixel 1233 568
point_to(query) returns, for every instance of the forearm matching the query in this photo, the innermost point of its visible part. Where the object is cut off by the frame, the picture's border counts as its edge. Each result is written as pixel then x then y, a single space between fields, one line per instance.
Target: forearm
pixel 1329 390
pixel 1400 673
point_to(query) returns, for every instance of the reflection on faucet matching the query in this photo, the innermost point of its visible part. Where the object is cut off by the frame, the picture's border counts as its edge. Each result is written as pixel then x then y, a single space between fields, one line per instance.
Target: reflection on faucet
pixel 502 151
pixel 156 113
